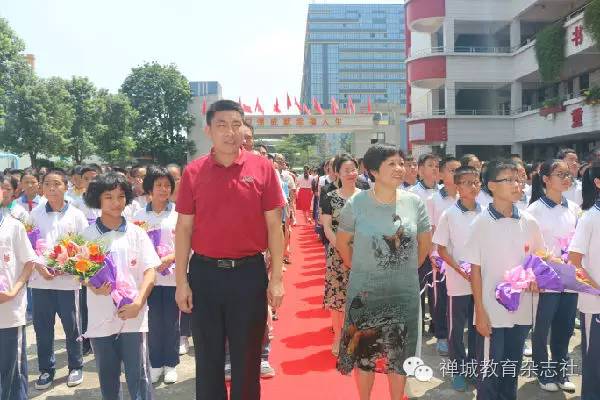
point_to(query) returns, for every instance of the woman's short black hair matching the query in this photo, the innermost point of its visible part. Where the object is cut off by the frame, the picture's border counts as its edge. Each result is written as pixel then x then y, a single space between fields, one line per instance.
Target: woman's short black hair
pixel 342 158
pixel 155 173
pixel 14 183
pixel 57 171
pixel 106 183
pixel 377 154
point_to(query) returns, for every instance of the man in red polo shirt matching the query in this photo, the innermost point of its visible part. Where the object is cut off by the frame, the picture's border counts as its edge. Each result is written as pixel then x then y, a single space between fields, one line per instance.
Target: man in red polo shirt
pixel 229 209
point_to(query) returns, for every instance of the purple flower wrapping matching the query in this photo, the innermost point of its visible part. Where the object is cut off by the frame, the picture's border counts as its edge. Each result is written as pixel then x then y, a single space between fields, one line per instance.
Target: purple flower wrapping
pixel 3 284
pixel 508 296
pixel 154 236
pixel 568 277
pixel 34 236
pixel 122 293
pixel 545 276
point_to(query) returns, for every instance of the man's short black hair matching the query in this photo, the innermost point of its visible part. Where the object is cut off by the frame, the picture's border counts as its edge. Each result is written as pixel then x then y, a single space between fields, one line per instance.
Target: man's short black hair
pixel 222 105
pixel 76 170
pixel 106 183
pixel 29 172
pixel 57 171
pixel 377 154
pixel 155 173
pixel 427 156
pixel 562 153
pixel 462 171
pixel 495 167
pixel 446 160
pixel 133 172
pixel 90 168
pixel 467 158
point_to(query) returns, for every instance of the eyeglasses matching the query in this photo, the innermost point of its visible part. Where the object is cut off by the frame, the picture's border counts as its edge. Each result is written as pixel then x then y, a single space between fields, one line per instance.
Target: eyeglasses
pixel 510 181
pixel 470 183
pixel 562 175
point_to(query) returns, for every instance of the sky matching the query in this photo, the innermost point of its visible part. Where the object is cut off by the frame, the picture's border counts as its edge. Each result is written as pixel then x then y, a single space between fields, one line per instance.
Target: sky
pixel 253 48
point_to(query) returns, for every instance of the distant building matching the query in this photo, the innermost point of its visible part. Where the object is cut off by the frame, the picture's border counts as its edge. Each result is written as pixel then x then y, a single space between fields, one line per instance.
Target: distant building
pixel 206 88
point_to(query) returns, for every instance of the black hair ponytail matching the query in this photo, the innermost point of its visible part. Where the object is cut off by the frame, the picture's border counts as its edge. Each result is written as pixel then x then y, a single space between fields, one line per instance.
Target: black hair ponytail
pixel 589 190
pixel 306 169
pixel 538 187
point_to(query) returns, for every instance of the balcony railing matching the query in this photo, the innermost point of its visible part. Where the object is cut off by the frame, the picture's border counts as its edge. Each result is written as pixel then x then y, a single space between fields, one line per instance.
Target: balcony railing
pixel 482 49
pixel 483 112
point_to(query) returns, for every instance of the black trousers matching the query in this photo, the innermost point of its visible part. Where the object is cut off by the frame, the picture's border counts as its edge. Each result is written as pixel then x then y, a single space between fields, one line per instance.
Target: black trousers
pixel 228 304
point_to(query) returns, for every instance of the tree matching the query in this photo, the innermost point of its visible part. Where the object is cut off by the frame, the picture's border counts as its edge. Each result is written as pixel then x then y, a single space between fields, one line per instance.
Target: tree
pixel 10 61
pixel 115 142
pixel 86 125
pixel 297 148
pixel 161 95
pixel 38 117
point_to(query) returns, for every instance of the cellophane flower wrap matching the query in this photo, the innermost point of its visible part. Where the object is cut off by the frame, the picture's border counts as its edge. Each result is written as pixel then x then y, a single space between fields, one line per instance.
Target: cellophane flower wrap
pixel 122 292
pixel 4 287
pixel 75 256
pixel 162 249
pixel 33 233
pixel 464 266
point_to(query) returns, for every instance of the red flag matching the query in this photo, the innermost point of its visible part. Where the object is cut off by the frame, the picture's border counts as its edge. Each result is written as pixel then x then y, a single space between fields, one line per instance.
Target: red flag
pixel 246 108
pixel 317 106
pixel 204 106
pixel 369 108
pixel 350 106
pixel 298 105
pixel 305 109
pixel 289 102
pixel 334 106
pixel 258 107
pixel 276 106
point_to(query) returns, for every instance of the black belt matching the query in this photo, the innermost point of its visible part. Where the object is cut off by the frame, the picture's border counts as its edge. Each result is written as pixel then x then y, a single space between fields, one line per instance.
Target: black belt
pixel 228 263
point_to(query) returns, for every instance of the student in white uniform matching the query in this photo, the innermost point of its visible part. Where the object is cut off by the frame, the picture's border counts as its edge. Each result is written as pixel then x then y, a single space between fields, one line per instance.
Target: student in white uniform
pixel 556 311
pixel 30 197
pixel 572 159
pixel 8 204
pixel 523 202
pixel 163 314
pixel 500 238
pixel 444 198
pixel 118 336
pixel 484 198
pixel 16 263
pixel 584 252
pixel 425 188
pixel 450 237
pixel 56 294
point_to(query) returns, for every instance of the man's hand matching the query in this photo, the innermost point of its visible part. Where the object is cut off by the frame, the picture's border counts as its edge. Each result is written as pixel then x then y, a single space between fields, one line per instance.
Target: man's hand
pixel 183 297
pixel 275 292
pixel 483 325
pixel 129 311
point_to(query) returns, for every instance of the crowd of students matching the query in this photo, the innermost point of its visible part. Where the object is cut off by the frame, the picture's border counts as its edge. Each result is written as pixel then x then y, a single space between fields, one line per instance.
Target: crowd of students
pixel 487 214
pixel 490 215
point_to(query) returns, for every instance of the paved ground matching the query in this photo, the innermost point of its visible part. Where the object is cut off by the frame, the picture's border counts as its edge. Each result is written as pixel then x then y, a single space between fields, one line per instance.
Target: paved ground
pixel 436 389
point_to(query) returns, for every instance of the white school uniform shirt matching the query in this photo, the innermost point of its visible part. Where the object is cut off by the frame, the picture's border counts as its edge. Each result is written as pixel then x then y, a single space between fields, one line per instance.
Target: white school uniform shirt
pixel 587 242
pixel 425 193
pixel 438 203
pixel 556 221
pixel 165 221
pixel 37 200
pixel 133 254
pixel 91 214
pixel 498 244
pixel 15 251
pixel 304 183
pixel 574 193
pixel 16 211
pixel 452 232
pixel 53 225
pixel 484 198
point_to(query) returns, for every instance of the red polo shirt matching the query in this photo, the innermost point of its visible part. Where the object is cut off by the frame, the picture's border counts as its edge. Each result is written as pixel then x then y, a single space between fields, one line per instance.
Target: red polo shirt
pixel 228 204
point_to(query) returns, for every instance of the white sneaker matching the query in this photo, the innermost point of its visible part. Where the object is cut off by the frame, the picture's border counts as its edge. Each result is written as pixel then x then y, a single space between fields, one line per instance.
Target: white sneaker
pixel 170 375
pixel 527 352
pixel 567 386
pixel 266 371
pixel 155 374
pixel 183 345
pixel 549 387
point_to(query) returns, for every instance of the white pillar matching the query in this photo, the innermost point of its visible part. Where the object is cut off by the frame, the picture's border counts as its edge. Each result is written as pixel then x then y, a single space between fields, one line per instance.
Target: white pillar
pixel 516 148
pixel 516 96
pixel 515 33
pixel 450 97
pixel 576 85
pixel 448 30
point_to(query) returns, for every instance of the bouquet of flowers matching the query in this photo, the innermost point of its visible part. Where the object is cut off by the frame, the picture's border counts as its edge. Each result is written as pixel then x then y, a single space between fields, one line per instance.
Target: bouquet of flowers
pixel 142 224
pixel 161 248
pixel 549 272
pixel 33 233
pixel 464 266
pixel 122 292
pixel 75 256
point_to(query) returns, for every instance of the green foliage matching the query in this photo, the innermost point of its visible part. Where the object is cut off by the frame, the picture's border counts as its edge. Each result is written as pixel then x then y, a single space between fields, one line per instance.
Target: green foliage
pixel 115 141
pixel 161 95
pixel 551 102
pixel 86 126
pixel 10 48
pixel 592 95
pixel 297 148
pixel 550 51
pixel 39 116
pixel 591 19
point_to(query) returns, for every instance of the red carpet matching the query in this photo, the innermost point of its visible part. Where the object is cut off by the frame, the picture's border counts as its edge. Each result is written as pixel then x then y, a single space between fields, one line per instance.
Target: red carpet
pixel 301 349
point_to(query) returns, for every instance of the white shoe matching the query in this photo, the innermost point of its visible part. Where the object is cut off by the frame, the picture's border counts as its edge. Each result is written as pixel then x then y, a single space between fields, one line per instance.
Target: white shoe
pixel 170 375
pixel 527 352
pixel 549 387
pixel 155 374
pixel 567 386
pixel 183 345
